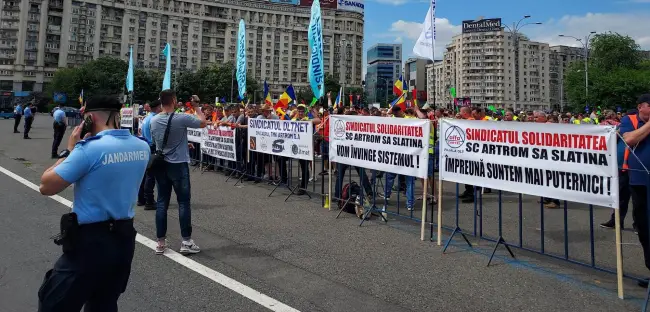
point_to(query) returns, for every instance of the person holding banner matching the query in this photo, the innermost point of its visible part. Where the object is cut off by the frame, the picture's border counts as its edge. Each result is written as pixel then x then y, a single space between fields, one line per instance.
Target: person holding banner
pixel 264 160
pixel 635 130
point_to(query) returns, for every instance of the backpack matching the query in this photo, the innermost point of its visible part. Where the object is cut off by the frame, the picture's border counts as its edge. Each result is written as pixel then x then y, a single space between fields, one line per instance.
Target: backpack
pixel 349 195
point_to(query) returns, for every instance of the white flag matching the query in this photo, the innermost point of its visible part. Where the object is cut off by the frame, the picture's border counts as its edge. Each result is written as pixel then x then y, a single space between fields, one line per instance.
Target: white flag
pixel 427 42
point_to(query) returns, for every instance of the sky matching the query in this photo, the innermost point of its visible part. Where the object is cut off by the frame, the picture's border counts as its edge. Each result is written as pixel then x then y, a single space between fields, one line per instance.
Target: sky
pixel 400 21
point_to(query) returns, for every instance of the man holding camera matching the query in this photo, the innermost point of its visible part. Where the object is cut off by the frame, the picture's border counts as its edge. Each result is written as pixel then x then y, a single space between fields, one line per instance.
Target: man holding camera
pixel 169 133
pixel 97 237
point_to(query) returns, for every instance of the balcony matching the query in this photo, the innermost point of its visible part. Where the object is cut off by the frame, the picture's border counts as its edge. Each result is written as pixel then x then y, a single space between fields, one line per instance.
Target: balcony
pixel 14 8
pixel 56 5
pixel 54 29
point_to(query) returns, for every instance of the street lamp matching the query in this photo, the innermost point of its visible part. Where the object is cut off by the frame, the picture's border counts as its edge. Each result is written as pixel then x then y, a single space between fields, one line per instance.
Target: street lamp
pixel 515 32
pixel 585 46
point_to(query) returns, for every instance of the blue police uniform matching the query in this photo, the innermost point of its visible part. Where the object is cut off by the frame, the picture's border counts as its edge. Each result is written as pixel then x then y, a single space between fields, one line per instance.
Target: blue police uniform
pixel 29 118
pixel 59 130
pixel 145 194
pixel 106 170
pixel 18 114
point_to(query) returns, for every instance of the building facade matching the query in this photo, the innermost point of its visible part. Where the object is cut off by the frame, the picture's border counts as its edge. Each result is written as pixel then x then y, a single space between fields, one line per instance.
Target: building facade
pixel 493 67
pixel 560 59
pixel 415 77
pixel 39 36
pixel 384 68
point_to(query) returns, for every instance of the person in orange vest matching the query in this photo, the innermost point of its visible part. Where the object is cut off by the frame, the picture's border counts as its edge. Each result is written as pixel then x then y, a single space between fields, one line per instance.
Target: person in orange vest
pixel 623 178
pixel 636 138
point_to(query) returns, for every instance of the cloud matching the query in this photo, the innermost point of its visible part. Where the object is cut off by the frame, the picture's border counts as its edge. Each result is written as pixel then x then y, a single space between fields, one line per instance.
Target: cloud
pixel 410 31
pixel 574 25
pixel 580 26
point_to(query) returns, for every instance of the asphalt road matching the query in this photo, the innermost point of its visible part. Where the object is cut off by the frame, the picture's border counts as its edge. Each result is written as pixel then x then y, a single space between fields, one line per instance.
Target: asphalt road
pixel 294 252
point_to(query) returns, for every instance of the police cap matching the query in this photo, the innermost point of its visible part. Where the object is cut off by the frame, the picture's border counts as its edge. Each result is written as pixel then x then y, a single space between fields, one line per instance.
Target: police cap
pixel 103 103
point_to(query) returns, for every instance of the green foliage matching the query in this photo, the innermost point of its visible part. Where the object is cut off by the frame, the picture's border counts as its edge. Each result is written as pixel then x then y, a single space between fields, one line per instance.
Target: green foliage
pixel 108 76
pixel 617 75
pixel 332 86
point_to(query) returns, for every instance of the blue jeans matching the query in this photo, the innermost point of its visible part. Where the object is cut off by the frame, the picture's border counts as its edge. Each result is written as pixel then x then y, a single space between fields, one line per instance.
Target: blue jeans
pixel 175 176
pixel 410 188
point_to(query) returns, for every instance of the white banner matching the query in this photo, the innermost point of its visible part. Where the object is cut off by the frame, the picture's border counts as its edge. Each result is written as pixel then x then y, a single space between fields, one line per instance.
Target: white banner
pixel 126 117
pixel 396 145
pixel 195 135
pixel 286 138
pixel 560 161
pixel 219 142
pixel 351 5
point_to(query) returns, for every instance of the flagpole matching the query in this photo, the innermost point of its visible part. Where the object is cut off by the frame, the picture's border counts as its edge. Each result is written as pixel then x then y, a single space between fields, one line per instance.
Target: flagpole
pixel 433 49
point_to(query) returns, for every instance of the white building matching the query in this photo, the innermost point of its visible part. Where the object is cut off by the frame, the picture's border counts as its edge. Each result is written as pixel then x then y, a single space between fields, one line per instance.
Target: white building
pixel 39 36
pixel 493 67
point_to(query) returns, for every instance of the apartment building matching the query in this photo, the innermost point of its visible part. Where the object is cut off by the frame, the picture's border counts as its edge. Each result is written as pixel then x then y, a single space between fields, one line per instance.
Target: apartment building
pixel 37 37
pixel 493 67
pixel 560 58
pixel 415 77
pixel 384 68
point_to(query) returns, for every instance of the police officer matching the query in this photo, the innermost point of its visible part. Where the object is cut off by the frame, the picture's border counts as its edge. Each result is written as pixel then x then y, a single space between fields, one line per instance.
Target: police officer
pixel 59 125
pixel 106 168
pixel 29 118
pixel 18 114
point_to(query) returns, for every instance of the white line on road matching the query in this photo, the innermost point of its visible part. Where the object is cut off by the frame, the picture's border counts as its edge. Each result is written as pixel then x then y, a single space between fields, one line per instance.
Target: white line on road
pixel 225 281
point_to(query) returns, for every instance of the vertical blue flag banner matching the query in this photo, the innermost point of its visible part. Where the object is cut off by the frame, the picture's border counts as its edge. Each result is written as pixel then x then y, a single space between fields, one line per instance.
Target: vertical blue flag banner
pixel 167 81
pixel 315 35
pixel 241 59
pixel 129 75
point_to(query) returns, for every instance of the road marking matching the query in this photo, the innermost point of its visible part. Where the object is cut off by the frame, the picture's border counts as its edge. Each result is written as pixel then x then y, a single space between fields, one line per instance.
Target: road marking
pixel 225 281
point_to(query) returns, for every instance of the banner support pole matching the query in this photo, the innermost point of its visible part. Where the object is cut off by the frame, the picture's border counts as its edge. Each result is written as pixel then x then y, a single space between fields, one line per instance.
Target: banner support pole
pixel 329 182
pixel 439 212
pixel 619 254
pixel 424 210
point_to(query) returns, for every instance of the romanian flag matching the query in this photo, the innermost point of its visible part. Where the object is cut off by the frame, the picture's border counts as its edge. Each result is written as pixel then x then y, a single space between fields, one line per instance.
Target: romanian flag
pixel 351 100
pixel 399 101
pixel 398 87
pixel 81 97
pixel 338 102
pixel 281 113
pixel 415 97
pixel 267 94
pixel 286 97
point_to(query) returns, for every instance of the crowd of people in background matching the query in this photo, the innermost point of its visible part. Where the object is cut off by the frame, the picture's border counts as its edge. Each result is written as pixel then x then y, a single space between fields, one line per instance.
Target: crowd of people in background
pixel 263 167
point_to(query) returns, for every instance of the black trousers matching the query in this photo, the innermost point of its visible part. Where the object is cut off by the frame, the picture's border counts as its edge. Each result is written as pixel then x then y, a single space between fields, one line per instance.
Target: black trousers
pixel 145 194
pixel 304 171
pixel 17 121
pixel 640 211
pixel 59 131
pixel 95 274
pixel 28 126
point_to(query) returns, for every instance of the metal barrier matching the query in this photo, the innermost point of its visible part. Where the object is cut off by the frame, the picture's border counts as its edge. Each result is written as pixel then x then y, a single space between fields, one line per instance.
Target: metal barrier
pixel 566 233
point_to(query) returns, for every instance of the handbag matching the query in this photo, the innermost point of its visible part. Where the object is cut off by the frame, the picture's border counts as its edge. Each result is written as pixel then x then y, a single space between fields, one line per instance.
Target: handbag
pixel 157 159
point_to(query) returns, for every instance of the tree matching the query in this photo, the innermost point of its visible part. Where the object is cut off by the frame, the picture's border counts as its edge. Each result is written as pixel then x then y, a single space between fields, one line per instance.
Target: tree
pixel 106 76
pixel 147 84
pixel 612 51
pixel 331 85
pixel 305 95
pixel 617 76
